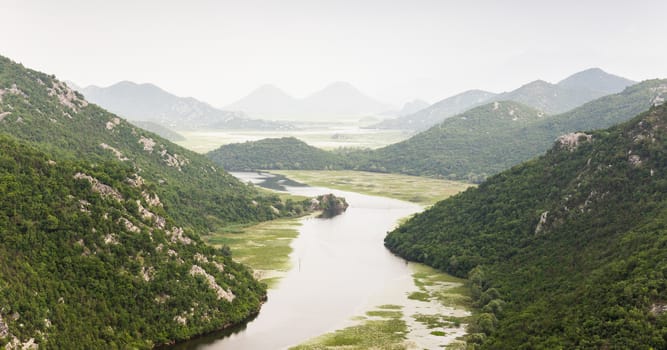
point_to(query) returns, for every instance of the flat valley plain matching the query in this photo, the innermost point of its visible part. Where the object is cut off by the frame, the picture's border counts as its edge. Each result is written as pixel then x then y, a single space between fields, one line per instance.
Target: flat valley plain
pixel 324 137
pixel 415 189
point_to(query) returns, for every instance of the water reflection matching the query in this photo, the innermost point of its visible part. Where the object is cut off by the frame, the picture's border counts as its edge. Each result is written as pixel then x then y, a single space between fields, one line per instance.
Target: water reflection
pixel 340 268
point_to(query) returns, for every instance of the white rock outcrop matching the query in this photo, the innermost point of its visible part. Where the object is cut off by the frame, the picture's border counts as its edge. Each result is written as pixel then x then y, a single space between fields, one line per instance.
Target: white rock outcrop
pixel 571 141
pixel 66 96
pixel 104 190
pixel 148 143
pixel 543 221
pixel 177 236
pixel 197 270
pixel 113 150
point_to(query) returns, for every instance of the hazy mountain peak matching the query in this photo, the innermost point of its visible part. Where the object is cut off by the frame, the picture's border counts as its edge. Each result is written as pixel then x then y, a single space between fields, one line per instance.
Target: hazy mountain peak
pixel 336 99
pixel 270 88
pixel 596 79
pixel 341 86
pixel 437 112
pixel 539 83
pixel 413 106
pixel 149 102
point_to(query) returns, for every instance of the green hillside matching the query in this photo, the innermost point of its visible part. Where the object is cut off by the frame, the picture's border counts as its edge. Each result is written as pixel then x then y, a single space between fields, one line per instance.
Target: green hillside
pixel 90 258
pixel 466 146
pixel 566 251
pixel 100 226
pixel 470 146
pixel 38 108
pixel 285 153
pixel 485 140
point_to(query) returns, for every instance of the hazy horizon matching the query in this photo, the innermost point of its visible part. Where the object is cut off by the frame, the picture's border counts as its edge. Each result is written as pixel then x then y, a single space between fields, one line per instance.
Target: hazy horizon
pixel 219 51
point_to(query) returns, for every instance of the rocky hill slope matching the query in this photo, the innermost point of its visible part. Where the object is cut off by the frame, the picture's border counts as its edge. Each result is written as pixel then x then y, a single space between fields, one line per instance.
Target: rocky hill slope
pixel 563 251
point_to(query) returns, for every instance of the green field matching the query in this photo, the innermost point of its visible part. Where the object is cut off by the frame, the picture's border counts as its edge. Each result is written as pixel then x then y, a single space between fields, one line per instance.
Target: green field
pixel 380 329
pixel 265 246
pixel 328 139
pixel 421 190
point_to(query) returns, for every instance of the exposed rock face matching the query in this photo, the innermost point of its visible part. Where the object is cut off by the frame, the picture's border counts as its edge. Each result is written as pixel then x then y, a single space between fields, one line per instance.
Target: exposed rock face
pixel 14 90
pixel 177 236
pixel 66 96
pixel 160 222
pixel 16 344
pixel 116 152
pixel 148 143
pixel 540 224
pixel 181 320
pixel 129 225
pixel 175 160
pixel 4 330
pixel 136 181
pixel 660 93
pixel 112 123
pixel 110 239
pixel 151 199
pixel 147 273
pixel 571 141
pixel 658 308
pixel 104 190
pixel 222 294
pixel 200 258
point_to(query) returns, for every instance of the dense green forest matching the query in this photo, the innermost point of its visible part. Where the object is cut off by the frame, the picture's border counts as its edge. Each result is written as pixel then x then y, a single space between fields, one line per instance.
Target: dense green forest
pixel 470 146
pixel 100 224
pixel 467 146
pixel 90 258
pixel 566 251
pixel 38 108
pixel 287 153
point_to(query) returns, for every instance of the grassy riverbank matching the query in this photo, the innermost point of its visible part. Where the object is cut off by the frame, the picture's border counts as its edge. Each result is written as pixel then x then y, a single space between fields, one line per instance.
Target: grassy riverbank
pixel 434 314
pixel 265 246
pixel 382 328
pixel 416 189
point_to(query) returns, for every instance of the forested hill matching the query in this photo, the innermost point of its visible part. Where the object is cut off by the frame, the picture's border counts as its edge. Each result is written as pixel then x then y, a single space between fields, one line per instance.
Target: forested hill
pixel 282 153
pixel 566 250
pixel 567 94
pixel 487 139
pixel 470 146
pixel 38 108
pixel 91 259
pixel 466 146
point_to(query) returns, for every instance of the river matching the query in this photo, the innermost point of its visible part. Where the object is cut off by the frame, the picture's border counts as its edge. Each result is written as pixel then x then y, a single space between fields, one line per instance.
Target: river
pixel 340 268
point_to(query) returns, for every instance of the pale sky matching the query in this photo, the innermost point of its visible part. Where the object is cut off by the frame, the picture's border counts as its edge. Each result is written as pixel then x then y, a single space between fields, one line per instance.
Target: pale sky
pixel 393 50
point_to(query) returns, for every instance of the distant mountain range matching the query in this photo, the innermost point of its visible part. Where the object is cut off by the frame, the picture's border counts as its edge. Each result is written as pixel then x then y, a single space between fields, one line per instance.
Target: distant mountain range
pixel 437 112
pixel 470 146
pixel 408 108
pixel 569 93
pixel 336 99
pixel 147 102
pixel 485 140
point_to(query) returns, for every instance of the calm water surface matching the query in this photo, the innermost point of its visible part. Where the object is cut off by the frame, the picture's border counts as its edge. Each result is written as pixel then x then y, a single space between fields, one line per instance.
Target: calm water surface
pixel 340 268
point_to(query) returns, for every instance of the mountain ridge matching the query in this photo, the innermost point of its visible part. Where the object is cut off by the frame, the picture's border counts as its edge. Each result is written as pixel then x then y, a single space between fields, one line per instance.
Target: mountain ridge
pixel 562 251
pixel 569 93
pixel 431 115
pixel 149 102
pixel 335 99
pixel 484 140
